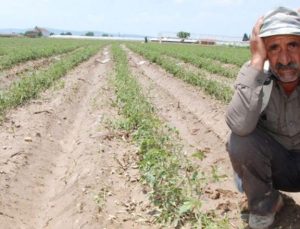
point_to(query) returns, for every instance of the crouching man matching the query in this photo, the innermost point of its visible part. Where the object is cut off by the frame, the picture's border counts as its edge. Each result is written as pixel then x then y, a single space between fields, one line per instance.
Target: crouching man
pixel 264 116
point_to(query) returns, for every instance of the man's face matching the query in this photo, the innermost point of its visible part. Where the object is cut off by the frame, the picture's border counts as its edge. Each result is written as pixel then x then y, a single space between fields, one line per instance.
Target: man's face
pixel 283 52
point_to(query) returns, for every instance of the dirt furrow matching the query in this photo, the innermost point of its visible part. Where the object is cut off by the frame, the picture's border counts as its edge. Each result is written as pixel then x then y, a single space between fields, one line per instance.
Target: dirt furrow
pixel 199 71
pixel 7 77
pixel 184 108
pixel 210 112
pixel 27 68
pixel 63 166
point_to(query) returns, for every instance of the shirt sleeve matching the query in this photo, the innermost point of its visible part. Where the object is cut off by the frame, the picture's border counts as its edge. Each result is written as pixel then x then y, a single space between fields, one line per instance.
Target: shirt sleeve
pixel 244 109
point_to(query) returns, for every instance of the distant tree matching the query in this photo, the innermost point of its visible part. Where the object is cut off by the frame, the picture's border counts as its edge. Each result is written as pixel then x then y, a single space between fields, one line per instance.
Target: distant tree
pixel 67 33
pixel 246 37
pixel 105 35
pixel 91 34
pixel 52 33
pixel 28 32
pixel 183 35
pixel 32 33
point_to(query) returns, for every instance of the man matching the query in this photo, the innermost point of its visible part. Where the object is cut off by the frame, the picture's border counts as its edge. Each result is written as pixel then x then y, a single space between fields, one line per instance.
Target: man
pixel 264 146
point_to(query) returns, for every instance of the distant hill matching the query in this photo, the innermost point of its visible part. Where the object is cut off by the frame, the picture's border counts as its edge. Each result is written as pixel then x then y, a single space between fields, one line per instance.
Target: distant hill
pixel 74 32
pixel 11 31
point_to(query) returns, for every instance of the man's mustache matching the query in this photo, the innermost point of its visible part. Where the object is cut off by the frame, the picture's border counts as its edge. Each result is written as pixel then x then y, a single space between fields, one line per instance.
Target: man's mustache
pixel 288 66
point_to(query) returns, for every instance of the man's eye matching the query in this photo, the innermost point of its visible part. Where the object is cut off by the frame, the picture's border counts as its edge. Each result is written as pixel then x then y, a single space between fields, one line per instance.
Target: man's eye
pixel 293 45
pixel 273 48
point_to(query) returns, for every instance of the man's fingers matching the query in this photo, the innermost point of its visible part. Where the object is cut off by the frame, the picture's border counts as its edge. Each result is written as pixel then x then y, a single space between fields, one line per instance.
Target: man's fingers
pixel 257 26
pixel 257 47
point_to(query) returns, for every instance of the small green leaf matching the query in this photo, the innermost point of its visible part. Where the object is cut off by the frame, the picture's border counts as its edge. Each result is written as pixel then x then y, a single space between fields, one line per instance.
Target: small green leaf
pixel 187 206
pixel 199 154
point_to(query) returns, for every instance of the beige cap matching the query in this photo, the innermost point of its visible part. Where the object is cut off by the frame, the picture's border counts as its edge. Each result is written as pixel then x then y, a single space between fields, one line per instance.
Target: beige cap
pixel 280 21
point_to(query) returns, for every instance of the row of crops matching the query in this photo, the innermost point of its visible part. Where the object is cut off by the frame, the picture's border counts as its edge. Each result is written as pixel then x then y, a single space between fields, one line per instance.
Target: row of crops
pixel 222 62
pixel 14 51
pixel 30 84
pixel 210 58
pixel 176 183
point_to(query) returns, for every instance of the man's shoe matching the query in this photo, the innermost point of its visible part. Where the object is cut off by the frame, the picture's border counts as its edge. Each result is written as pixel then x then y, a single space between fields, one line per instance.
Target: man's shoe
pixel 263 222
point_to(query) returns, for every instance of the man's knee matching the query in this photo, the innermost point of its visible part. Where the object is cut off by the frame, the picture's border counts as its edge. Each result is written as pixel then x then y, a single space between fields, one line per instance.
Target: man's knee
pixel 254 149
pixel 242 145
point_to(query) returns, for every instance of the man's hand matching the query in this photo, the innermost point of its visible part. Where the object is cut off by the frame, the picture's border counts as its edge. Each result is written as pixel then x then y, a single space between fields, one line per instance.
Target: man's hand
pixel 257 47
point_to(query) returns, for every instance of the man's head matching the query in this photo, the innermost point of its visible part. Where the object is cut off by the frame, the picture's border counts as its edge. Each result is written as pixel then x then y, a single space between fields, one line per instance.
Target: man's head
pixel 281 34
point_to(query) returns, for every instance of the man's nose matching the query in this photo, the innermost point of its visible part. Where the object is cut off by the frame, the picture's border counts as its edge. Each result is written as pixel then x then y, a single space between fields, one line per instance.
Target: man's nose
pixel 284 57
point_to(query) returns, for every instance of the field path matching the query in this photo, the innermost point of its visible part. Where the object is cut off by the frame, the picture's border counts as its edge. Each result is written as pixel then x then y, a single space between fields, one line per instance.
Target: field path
pixel 61 163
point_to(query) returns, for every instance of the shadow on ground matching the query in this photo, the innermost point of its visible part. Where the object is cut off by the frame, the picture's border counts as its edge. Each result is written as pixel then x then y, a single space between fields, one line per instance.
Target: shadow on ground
pixel 288 217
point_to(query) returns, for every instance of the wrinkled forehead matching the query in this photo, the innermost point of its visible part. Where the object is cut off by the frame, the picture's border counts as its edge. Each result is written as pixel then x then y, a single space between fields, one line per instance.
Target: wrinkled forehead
pixel 281 39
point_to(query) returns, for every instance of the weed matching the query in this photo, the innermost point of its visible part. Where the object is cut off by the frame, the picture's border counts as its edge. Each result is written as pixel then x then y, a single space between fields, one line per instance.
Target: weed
pixel 199 154
pixel 100 198
pixel 215 174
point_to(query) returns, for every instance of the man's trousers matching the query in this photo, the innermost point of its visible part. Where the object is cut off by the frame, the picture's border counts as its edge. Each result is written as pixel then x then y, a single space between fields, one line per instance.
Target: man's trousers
pixel 264 167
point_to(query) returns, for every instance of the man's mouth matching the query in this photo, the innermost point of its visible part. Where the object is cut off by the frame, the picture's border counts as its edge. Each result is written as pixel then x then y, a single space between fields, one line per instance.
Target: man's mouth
pixel 290 66
pixel 287 70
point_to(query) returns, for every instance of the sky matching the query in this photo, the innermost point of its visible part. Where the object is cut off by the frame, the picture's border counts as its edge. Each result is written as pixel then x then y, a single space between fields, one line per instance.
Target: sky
pixel 149 18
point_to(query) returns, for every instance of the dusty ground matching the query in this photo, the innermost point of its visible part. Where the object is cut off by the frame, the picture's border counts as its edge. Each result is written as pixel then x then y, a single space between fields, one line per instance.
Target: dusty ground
pixel 62 165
